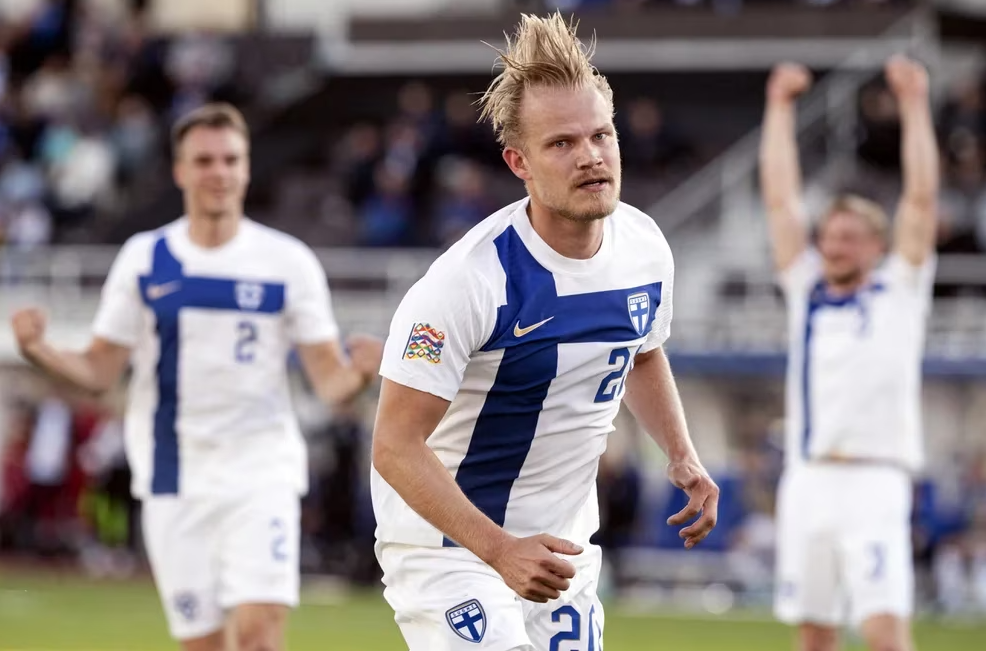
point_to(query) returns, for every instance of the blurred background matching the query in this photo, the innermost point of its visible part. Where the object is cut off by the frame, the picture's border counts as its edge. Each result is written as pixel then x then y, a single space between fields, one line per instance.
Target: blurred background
pixel 366 146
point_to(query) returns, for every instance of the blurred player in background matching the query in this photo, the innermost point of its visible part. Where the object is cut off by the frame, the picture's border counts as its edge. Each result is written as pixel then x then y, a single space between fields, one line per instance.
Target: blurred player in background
pixel 854 377
pixel 505 367
pixel 208 309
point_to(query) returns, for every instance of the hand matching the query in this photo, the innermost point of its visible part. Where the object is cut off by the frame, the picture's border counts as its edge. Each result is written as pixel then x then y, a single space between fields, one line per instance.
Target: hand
pixel 531 569
pixel 907 78
pixel 703 497
pixel 29 328
pixel 365 352
pixel 788 81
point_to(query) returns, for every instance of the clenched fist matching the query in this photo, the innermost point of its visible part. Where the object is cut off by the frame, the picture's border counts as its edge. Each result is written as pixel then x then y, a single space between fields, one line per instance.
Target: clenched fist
pixel 29 327
pixel 788 81
pixel 907 78
pixel 531 568
pixel 365 352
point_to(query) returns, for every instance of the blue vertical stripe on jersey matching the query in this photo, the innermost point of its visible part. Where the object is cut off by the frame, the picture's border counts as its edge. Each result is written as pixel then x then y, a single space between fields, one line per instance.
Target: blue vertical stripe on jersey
pixel 506 425
pixel 818 299
pixel 192 292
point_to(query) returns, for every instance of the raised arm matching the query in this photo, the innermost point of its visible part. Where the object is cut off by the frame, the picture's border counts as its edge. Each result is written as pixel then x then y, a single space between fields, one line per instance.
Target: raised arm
pixel 915 223
pixel 652 397
pixel 94 370
pixel 780 170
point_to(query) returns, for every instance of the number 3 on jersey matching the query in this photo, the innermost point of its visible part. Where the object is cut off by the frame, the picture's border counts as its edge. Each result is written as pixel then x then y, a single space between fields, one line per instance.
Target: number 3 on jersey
pixel 246 337
pixel 612 385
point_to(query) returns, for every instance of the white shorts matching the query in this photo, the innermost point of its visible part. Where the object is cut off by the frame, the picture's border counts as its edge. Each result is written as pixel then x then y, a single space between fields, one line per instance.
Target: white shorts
pixel 446 599
pixel 844 544
pixel 212 554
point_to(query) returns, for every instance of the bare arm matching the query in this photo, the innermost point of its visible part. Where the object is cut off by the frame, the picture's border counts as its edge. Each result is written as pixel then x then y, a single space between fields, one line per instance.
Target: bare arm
pixel 652 396
pixel 94 370
pixel 915 224
pixel 335 377
pixel 406 418
pixel 780 169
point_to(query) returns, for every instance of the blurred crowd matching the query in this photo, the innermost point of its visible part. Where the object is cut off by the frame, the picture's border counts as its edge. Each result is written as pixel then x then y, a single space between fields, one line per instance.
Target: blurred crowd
pixel 431 172
pixel 86 96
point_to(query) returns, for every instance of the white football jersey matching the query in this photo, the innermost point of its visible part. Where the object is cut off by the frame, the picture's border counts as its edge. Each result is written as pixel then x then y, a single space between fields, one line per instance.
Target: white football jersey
pixel 854 369
pixel 209 410
pixel 532 349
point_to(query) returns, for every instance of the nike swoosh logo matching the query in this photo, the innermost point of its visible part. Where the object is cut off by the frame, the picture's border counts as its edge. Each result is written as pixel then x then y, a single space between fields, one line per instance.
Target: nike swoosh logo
pixel 155 292
pixel 520 332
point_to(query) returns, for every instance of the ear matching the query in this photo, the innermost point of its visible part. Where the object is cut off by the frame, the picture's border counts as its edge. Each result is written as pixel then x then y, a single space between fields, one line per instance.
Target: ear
pixel 517 162
pixel 177 176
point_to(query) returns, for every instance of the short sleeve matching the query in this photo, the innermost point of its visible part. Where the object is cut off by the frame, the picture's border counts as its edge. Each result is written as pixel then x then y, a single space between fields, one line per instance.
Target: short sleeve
pixel 661 329
pixel 120 312
pixel 309 302
pixel 801 275
pixel 441 322
pixel 915 280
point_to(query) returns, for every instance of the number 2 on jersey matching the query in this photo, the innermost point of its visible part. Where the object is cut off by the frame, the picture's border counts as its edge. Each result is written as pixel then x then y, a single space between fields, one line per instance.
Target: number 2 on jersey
pixel 612 385
pixel 246 337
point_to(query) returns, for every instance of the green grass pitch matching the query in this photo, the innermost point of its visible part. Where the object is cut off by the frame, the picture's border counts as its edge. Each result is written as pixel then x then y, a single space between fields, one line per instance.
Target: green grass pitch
pixel 62 614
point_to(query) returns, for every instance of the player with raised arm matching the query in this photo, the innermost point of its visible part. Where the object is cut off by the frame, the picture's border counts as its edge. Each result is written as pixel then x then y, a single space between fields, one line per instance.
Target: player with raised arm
pixel 207 310
pixel 505 367
pixel 856 332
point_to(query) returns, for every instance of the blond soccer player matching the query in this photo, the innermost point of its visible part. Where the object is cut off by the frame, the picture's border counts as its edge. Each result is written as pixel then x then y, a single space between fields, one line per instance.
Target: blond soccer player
pixel 505 367
pixel 857 316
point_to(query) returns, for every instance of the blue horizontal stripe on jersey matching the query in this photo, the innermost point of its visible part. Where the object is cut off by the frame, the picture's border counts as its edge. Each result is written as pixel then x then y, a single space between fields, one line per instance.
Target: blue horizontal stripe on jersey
pixel 178 291
pixel 505 428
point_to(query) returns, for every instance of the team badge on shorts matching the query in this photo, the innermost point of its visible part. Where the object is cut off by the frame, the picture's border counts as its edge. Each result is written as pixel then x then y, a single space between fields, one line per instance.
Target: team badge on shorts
pixel 425 343
pixel 639 307
pixel 187 605
pixel 467 620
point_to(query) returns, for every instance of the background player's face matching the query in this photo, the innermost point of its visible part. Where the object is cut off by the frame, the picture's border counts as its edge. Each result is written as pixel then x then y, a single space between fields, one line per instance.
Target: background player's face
pixel 570 159
pixel 849 246
pixel 212 168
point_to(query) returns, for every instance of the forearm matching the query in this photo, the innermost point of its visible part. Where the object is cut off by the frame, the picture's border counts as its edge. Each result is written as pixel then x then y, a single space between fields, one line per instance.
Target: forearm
pixel 344 384
pixel 780 168
pixel 419 477
pixel 77 369
pixel 919 153
pixel 652 397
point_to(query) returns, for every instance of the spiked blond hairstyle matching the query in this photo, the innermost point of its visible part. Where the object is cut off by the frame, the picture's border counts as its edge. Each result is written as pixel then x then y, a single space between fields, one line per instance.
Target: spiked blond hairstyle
pixel 543 53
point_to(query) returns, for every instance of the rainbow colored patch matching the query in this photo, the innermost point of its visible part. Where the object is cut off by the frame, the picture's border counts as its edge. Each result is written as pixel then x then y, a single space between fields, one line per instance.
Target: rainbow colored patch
pixel 425 343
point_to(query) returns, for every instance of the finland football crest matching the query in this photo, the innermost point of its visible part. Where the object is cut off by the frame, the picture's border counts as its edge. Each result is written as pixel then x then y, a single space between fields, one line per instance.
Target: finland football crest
pixel 639 307
pixel 467 620
pixel 249 296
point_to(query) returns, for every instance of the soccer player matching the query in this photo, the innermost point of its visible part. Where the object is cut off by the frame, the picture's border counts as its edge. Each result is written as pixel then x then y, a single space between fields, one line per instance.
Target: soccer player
pixel 856 336
pixel 207 309
pixel 504 368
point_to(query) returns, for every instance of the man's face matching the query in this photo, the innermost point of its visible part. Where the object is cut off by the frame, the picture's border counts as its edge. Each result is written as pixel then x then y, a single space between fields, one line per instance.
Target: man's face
pixel 569 157
pixel 849 247
pixel 212 168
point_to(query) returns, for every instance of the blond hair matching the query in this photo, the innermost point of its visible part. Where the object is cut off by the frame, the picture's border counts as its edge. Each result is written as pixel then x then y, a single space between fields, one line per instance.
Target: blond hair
pixel 870 212
pixel 543 53
pixel 216 115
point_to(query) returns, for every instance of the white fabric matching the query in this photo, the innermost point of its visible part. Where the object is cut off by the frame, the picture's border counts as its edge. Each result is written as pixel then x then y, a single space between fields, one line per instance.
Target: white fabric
pixel 212 554
pixel 464 300
pixel 424 585
pixel 844 545
pixel 863 364
pixel 235 425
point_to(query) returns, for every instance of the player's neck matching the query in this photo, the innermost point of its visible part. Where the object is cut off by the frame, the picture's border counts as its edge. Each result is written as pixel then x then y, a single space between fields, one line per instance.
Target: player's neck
pixel 842 289
pixel 209 231
pixel 574 240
